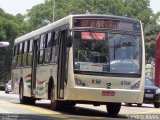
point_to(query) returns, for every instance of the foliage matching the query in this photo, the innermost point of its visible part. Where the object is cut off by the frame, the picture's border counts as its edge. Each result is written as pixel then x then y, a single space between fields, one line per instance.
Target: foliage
pixel 7 33
pixel 138 9
pixel 151 31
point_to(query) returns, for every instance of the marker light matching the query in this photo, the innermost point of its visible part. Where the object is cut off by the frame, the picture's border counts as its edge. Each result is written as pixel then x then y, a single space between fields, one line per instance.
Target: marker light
pixel 4 44
pixel 79 82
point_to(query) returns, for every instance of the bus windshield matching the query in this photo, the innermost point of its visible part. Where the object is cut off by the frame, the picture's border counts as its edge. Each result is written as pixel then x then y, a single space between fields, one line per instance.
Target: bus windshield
pixel 111 52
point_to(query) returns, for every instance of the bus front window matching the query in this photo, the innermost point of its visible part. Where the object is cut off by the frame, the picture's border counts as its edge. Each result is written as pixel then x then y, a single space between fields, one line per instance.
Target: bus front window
pixel 106 52
pixel 90 51
pixel 125 53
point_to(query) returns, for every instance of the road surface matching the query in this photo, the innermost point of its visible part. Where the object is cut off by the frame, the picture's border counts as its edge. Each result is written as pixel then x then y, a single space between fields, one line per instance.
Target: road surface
pixel 11 109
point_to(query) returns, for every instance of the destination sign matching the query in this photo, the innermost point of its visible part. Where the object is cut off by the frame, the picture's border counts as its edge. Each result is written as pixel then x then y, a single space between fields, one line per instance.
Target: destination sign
pixel 90 35
pixel 109 24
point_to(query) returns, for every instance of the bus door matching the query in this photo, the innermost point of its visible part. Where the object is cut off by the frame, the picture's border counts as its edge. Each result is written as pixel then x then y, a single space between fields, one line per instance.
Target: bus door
pixel 34 66
pixel 62 64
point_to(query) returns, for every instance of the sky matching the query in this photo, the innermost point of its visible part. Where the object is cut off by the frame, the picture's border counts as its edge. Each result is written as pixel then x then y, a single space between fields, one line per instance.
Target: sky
pixel 21 6
pixel 154 4
pixel 18 6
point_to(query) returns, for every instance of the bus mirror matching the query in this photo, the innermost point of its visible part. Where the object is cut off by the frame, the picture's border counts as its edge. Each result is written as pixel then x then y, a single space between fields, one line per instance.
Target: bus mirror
pixel 69 39
pixel 4 44
pixel 69 43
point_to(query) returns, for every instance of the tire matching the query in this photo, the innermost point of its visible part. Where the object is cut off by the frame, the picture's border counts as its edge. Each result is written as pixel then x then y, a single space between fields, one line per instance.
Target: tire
pixel 6 92
pixel 156 101
pixel 31 101
pixel 71 104
pixel 156 105
pixel 55 105
pixel 113 108
pixel 139 104
pixel 128 104
pixel 22 99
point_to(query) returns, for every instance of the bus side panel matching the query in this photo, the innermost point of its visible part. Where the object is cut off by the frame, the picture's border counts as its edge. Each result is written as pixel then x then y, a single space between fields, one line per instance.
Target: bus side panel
pixel 44 73
pixel 157 61
pixel 25 76
pixel 27 81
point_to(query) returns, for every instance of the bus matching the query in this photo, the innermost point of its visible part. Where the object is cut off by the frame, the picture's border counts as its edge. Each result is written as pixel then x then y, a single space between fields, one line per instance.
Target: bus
pixel 157 61
pixel 81 59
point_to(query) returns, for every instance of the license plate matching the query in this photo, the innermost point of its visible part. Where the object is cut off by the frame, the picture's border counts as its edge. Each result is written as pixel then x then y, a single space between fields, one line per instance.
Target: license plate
pixel 149 95
pixel 108 93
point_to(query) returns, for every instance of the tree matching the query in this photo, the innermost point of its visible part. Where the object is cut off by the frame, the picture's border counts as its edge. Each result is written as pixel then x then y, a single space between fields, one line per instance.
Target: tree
pixel 151 30
pixel 8 31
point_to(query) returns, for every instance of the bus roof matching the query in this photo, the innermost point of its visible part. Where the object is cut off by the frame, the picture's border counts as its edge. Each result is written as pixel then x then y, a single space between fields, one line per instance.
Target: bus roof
pixel 43 29
pixel 105 16
pixel 67 20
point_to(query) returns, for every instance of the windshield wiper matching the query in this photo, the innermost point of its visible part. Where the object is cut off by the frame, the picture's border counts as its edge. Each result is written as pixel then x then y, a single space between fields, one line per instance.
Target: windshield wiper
pixel 93 35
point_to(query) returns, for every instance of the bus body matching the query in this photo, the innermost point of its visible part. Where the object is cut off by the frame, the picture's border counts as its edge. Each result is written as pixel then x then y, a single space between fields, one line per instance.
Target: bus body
pixel 91 59
pixel 157 61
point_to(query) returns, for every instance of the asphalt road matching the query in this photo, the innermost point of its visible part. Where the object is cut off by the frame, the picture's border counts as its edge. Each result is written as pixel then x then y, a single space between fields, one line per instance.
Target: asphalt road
pixel 11 109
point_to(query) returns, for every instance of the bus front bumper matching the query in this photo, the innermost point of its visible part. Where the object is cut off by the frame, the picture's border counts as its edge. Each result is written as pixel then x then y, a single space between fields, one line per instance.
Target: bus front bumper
pixel 105 95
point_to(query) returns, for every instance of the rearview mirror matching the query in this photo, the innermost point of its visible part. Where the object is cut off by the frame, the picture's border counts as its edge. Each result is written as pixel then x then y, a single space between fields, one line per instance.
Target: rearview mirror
pixel 69 39
pixel 4 44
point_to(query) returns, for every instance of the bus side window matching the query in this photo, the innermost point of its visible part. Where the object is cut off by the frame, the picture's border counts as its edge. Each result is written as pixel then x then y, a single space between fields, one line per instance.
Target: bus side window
pixel 17 54
pixel 29 50
pixel 55 38
pixel 19 61
pixel 25 54
pixel 55 47
pixel 48 45
pixel 14 56
pixel 51 39
pixel 22 54
pixel 41 45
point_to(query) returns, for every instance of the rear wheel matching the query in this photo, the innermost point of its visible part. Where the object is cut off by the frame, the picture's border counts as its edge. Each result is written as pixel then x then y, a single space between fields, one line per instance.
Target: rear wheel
pixel 128 104
pixel 31 101
pixel 55 105
pixel 113 108
pixel 23 99
pixel 6 92
pixel 139 104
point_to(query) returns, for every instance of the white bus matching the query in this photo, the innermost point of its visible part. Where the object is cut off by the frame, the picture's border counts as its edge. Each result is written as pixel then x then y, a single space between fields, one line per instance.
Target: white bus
pixel 88 59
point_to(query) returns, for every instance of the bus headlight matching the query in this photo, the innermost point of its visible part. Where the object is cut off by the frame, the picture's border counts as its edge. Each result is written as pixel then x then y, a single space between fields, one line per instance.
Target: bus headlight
pixel 136 85
pixel 79 82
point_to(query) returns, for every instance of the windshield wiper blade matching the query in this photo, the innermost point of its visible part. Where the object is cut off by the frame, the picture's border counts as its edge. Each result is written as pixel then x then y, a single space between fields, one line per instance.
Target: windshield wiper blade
pixel 93 35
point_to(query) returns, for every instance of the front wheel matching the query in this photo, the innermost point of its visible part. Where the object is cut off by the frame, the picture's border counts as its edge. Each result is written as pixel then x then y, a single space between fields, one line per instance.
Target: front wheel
pixel 156 105
pixel 157 101
pixel 23 99
pixel 113 108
